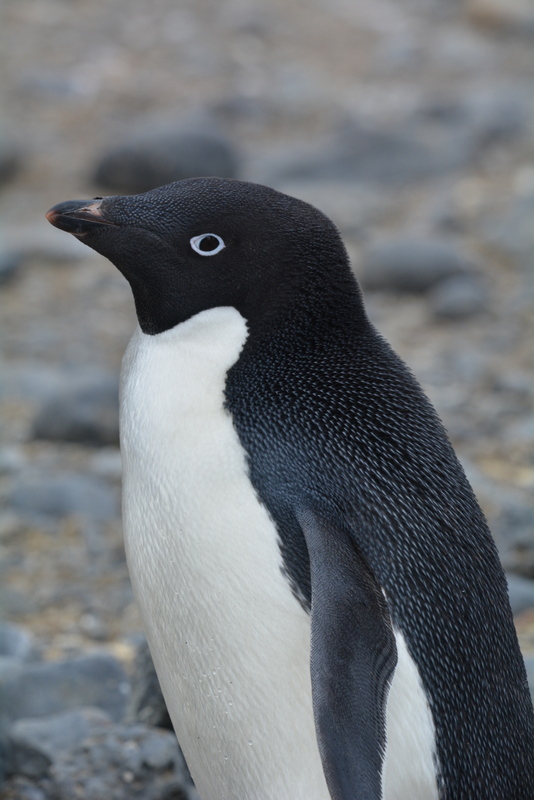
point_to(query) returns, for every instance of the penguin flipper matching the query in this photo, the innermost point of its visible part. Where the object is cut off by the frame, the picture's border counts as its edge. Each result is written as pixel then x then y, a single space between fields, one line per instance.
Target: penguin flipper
pixel 353 656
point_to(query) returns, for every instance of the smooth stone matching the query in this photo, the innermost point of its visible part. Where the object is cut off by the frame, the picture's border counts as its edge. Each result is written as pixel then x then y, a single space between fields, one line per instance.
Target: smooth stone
pixel 458 297
pixel 153 157
pixel 125 763
pixel 521 592
pixel 83 409
pixel 40 690
pixel 410 265
pixel 37 743
pixel 64 495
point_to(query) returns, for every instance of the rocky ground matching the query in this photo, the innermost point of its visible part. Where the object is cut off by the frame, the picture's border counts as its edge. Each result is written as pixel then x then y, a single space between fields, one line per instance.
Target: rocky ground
pixel 411 123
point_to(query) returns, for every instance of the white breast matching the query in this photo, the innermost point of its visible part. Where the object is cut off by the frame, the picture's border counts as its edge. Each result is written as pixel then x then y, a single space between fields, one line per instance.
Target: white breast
pixel 230 642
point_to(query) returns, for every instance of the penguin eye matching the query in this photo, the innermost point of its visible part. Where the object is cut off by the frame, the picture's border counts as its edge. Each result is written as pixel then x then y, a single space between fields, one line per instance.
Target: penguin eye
pixel 207 244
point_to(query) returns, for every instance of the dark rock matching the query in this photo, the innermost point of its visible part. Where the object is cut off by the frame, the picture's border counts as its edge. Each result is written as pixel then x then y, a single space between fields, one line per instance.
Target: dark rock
pixel 155 157
pixel 64 495
pixel 146 699
pixel 521 592
pixel 39 690
pixel 38 743
pixel 458 297
pixel 83 409
pixel 411 265
pixel 124 763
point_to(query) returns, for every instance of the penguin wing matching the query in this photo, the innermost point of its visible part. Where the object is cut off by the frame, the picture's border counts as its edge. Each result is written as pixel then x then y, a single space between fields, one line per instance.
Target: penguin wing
pixel 353 655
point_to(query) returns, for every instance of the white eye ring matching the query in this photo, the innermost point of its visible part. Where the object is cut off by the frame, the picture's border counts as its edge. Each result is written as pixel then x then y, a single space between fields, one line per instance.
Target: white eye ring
pixel 196 241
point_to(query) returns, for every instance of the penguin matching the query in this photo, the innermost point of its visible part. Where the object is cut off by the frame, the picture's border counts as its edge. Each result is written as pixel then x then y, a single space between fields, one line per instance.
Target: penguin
pixel 322 598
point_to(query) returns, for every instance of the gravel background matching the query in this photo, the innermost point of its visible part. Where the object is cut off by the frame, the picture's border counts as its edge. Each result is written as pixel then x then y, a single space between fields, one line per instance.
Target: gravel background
pixel 411 123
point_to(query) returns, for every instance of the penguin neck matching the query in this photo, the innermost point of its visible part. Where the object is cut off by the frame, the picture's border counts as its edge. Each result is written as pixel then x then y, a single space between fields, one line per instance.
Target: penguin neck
pixel 319 301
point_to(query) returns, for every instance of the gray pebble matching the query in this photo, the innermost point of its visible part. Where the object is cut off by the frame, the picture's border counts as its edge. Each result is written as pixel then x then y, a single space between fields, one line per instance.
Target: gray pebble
pixel 39 690
pixel 458 297
pixel 83 409
pixel 411 265
pixel 155 157
pixel 521 592
pixel 37 743
pixel 124 763
pixel 64 495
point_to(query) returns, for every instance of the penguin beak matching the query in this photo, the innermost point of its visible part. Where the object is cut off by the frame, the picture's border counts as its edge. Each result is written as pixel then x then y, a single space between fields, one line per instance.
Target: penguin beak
pixel 78 217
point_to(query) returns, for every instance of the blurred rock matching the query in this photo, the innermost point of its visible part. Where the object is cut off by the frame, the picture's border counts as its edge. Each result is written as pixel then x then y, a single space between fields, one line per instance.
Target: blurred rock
pixel 484 116
pixel 514 16
pixel 10 262
pixel 146 699
pixel 64 495
pixel 14 603
pixel 83 409
pixel 38 743
pixel 521 591
pixel 153 157
pixel 411 265
pixel 458 297
pixel 389 155
pixel 40 690
pixel 10 160
pixel 106 463
pixel 41 241
pixel 513 532
pixel 124 763
pixel 438 137
pixel 12 459
pixel 16 644
pixel 20 788
pixel 514 234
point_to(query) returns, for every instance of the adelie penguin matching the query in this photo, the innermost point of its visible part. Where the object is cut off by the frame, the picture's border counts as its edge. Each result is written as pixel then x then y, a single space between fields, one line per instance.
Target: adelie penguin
pixel 322 598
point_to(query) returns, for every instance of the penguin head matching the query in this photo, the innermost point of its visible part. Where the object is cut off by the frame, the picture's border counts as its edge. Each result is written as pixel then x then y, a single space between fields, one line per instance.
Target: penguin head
pixel 206 242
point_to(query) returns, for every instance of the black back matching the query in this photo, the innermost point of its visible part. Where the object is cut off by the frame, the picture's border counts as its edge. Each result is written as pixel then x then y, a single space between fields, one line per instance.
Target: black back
pixel 331 418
